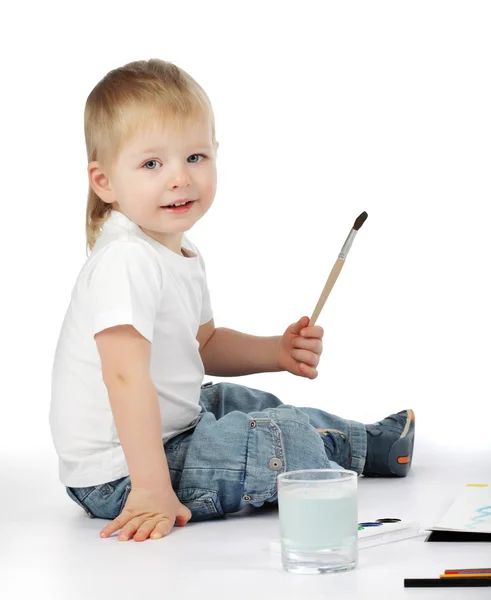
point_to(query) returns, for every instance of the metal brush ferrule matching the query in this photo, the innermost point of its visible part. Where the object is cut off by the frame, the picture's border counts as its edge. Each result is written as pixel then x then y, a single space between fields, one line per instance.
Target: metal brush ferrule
pixel 347 244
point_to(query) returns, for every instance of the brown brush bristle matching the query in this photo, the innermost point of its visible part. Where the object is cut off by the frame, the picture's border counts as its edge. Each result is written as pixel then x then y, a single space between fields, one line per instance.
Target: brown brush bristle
pixel 360 220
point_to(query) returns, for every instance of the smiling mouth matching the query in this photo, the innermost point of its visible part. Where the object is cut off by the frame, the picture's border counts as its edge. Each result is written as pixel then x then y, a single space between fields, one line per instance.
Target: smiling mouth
pixel 178 204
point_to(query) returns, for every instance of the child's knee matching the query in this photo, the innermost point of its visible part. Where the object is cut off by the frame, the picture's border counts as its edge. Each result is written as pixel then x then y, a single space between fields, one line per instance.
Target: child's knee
pixel 286 431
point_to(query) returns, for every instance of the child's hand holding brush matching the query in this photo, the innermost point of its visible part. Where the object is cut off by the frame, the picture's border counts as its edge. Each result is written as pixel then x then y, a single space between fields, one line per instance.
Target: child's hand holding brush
pixel 300 349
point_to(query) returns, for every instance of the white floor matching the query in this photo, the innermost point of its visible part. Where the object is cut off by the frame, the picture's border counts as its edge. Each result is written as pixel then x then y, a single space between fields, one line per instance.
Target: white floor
pixel 51 549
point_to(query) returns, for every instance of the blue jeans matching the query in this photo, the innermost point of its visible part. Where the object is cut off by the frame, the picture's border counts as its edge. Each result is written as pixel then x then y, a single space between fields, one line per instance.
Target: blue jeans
pixel 232 455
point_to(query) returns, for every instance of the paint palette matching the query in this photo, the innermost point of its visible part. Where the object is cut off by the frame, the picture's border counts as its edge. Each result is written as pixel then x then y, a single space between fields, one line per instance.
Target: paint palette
pixel 385 531
pixel 375 533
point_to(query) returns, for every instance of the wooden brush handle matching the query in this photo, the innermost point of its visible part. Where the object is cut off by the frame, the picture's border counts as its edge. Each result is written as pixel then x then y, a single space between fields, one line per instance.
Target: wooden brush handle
pixel 331 280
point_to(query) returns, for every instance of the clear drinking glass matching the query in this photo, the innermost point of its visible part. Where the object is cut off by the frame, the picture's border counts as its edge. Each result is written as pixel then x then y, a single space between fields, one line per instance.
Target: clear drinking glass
pixel 318 511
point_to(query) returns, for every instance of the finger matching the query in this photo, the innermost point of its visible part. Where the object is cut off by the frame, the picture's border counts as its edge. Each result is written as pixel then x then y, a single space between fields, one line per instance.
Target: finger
pixel 151 526
pixel 312 332
pixel 183 517
pixel 307 371
pixel 162 528
pixel 304 356
pixel 130 529
pixel 145 530
pixel 296 327
pixel 116 524
pixel 310 344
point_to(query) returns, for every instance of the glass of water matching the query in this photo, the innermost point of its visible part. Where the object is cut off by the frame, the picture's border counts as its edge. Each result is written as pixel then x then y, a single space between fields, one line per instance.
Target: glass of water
pixel 318 511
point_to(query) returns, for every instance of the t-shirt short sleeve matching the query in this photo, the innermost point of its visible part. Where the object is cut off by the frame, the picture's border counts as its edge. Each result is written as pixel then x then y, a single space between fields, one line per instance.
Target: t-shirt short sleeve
pixel 206 308
pixel 124 288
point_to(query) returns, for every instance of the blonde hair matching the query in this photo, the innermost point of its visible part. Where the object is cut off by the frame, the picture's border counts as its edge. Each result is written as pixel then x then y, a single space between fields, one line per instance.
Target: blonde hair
pixel 130 99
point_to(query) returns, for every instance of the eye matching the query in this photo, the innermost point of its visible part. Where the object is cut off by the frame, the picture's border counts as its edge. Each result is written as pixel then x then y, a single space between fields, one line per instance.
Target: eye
pixel 193 155
pixel 149 162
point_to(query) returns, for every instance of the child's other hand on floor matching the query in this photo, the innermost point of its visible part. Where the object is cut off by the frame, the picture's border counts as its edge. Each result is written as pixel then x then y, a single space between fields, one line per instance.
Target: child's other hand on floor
pixel 148 513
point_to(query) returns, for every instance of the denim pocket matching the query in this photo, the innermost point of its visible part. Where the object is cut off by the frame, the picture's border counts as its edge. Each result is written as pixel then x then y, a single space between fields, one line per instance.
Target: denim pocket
pixel 203 504
pixel 105 501
pixel 74 496
pixel 173 445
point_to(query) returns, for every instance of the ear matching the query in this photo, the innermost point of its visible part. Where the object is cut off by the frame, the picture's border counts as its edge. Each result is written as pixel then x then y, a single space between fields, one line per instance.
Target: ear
pixel 100 182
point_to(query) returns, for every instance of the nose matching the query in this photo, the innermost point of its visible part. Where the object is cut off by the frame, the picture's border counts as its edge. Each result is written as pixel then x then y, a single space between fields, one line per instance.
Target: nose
pixel 179 177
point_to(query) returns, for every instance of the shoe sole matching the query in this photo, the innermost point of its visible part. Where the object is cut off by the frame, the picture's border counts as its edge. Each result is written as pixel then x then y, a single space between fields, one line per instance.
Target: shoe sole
pixel 401 452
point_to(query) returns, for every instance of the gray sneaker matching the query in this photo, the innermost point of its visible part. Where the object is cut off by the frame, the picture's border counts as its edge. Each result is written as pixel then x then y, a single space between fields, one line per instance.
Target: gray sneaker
pixel 390 446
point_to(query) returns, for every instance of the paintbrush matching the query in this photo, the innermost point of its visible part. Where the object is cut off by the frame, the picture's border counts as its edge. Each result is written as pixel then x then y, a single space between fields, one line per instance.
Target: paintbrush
pixel 336 270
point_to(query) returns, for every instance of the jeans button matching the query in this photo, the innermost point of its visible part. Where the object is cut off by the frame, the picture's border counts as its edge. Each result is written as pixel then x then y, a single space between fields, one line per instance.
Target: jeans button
pixel 252 424
pixel 275 464
pixel 246 498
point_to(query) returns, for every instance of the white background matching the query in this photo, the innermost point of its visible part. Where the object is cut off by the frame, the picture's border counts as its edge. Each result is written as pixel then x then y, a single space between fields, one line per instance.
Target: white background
pixel 323 110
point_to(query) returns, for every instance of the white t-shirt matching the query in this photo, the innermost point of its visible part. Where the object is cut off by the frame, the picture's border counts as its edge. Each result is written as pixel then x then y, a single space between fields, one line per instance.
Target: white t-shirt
pixel 129 278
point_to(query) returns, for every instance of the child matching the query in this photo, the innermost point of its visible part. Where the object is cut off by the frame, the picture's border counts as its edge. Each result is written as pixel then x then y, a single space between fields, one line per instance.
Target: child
pixel 140 440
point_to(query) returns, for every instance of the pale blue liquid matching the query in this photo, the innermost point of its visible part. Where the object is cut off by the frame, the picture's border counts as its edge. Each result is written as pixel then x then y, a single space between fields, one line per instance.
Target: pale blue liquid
pixel 319 527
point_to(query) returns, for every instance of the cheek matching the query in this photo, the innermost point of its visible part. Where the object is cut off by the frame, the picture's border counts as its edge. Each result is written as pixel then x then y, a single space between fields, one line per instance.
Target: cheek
pixel 208 183
pixel 137 195
pixel 141 188
pixel 125 187
pixel 208 190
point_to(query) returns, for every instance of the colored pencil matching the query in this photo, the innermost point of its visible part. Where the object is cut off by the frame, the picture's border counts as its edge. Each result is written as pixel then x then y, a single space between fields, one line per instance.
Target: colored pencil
pixel 455 571
pixel 463 575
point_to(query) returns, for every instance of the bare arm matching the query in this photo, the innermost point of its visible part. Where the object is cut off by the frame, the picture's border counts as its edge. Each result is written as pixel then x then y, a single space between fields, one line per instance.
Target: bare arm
pixel 229 353
pixel 125 358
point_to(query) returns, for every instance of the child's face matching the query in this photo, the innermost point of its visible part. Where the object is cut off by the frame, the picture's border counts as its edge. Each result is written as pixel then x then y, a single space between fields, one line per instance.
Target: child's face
pixel 162 167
